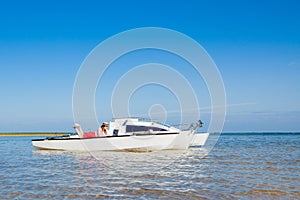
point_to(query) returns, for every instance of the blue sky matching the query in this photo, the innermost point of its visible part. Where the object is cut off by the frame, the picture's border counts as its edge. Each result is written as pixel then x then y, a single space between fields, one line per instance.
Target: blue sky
pixel 256 46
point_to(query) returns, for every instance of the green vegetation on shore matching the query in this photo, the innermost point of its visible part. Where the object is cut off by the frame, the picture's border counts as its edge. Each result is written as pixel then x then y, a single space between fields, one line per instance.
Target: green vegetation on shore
pixel 35 134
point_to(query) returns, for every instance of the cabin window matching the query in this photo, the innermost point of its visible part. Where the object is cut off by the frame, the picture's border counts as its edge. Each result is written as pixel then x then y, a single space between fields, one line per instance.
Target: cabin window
pixel 132 128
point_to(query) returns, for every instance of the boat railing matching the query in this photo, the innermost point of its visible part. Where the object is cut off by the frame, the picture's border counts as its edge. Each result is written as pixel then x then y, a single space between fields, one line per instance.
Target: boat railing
pixel 142 119
pixel 191 126
pixel 181 126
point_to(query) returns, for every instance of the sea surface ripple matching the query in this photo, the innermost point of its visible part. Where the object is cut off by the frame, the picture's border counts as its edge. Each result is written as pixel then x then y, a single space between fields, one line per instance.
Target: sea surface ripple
pixel 256 166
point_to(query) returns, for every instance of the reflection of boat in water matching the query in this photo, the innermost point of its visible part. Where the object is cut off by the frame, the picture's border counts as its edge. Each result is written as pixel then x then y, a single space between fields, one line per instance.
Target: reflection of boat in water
pixel 130 134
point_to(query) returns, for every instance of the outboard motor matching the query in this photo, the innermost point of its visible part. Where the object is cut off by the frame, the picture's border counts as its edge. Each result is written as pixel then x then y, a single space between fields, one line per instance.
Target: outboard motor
pixel 115 132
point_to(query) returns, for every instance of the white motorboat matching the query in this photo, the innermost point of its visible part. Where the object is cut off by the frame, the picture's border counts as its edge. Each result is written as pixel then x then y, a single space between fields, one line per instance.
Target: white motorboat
pixel 129 134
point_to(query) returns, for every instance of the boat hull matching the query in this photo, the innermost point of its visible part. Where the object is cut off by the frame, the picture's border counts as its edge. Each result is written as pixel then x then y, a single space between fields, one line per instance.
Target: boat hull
pixel 199 139
pixel 179 140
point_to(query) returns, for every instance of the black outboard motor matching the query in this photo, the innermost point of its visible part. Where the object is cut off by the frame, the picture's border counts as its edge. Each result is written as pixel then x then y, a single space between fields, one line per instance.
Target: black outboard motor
pixel 115 132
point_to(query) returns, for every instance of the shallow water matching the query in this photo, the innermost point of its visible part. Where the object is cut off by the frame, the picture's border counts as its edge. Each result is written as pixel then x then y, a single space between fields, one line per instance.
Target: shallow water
pixel 238 167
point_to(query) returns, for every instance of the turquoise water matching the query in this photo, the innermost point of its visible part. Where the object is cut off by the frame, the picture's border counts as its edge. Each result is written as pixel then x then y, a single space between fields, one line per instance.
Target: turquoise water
pixel 256 166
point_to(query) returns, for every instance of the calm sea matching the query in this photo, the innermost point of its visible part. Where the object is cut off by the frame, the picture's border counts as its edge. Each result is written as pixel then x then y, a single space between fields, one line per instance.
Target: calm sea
pixel 255 166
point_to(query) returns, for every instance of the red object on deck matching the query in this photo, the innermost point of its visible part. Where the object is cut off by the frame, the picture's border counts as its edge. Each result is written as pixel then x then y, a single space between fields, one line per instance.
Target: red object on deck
pixel 89 135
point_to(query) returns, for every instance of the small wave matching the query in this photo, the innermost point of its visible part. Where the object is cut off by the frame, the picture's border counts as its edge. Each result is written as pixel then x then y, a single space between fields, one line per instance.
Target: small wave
pixel 161 193
pixel 262 192
pixel 86 196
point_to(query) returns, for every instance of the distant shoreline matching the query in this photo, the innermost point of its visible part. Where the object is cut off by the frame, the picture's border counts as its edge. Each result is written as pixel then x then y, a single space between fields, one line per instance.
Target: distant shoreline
pixel 258 133
pixel 35 134
pixel 41 134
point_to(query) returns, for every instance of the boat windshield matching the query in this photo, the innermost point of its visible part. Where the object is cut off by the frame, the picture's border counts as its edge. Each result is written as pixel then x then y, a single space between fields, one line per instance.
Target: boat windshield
pixel 133 128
